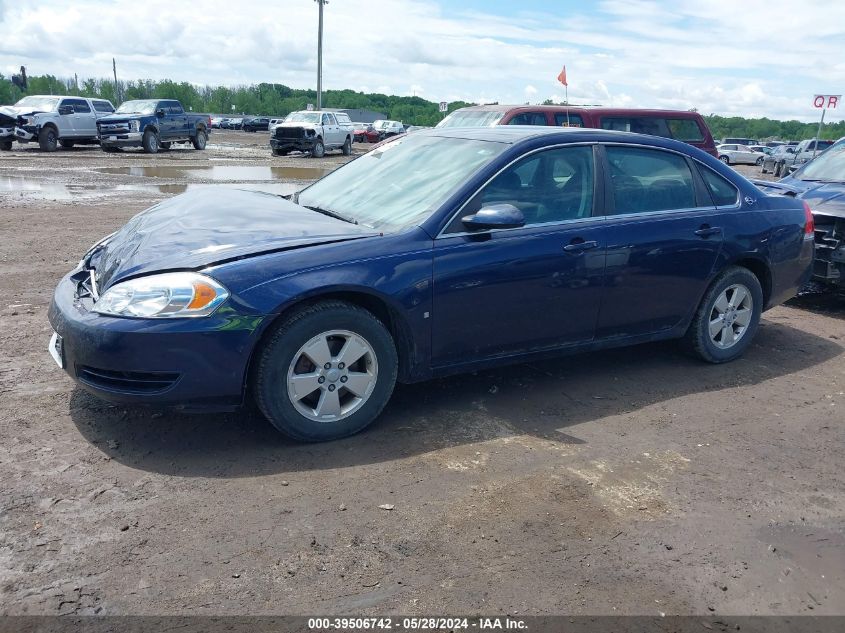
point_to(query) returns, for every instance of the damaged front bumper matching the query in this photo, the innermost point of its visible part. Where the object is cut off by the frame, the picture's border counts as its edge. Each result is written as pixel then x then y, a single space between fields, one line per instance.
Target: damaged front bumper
pixel 26 133
pixel 829 262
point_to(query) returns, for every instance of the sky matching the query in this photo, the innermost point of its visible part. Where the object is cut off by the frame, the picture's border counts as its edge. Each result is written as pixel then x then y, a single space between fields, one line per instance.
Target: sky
pixel 732 57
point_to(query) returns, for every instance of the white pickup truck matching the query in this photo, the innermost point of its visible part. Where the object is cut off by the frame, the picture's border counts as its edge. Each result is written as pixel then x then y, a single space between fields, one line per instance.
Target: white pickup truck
pixel 51 121
pixel 313 131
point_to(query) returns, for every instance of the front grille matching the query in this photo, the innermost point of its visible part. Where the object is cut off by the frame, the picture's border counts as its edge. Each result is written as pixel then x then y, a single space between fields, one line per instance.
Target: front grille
pixel 290 132
pixel 131 382
pixel 113 128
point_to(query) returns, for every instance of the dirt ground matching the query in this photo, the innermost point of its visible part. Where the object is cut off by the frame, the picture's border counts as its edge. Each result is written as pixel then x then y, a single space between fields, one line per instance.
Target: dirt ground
pixel 633 481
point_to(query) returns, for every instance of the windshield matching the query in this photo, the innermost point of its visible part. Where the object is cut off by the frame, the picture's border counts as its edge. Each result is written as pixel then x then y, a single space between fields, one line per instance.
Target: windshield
pixel 139 107
pixel 38 103
pixel 472 118
pixel 827 166
pixel 401 183
pixel 382 125
pixel 303 117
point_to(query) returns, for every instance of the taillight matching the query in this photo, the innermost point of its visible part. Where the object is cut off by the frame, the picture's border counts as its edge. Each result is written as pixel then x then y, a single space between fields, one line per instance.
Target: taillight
pixel 809 222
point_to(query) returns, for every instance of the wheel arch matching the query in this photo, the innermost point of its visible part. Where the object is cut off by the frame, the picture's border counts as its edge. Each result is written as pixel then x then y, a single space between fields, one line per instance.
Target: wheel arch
pixel 760 269
pixel 379 306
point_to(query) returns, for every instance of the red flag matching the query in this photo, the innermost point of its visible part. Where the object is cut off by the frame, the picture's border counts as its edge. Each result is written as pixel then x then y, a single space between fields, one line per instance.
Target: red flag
pixel 562 77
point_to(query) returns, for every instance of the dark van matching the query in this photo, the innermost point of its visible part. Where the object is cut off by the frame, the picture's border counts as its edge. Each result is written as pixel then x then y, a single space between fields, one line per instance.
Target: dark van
pixel 681 125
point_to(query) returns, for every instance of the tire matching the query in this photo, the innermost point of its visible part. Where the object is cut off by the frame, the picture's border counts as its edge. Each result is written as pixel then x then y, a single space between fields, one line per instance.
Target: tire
pixel 48 139
pixel 777 170
pixel 759 162
pixel 150 142
pixel 6 146
pixel 66 144
pixel 763 168
pixel 718 303
pixel 165 145
pixel 282 357
pixel 199 139
pixel 347 147
pixel 725 159
pixel 319 150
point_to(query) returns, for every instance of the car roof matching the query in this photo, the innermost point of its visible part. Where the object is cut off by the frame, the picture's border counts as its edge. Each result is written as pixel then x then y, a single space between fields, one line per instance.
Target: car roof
pixel 562 108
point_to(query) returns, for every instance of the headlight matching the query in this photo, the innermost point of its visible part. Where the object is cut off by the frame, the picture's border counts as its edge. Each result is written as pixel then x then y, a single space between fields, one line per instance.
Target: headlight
pixel 169 295
pixel 133 126
pixel 29 120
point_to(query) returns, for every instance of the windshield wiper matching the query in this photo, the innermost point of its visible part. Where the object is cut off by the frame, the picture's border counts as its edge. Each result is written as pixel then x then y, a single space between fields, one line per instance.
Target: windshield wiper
pixel 332 214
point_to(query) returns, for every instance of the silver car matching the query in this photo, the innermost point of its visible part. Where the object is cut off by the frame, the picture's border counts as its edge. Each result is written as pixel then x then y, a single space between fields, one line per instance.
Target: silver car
pixel 731 154
pixel 779 160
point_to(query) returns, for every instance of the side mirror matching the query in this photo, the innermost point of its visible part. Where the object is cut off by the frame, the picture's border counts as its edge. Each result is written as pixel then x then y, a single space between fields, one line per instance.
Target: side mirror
pixel 496 216
pixel 65 109
pixel 160 113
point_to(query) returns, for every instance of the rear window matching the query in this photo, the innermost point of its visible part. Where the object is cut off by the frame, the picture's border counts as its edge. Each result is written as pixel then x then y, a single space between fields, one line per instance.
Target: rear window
pixel 102 106
pixel 343 118
pixel 724 194
pixel 529 118
pixel 686 130
pixel 563 119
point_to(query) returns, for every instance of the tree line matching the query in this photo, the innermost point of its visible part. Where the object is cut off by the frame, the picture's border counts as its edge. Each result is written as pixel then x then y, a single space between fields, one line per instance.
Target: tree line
pixel 278 99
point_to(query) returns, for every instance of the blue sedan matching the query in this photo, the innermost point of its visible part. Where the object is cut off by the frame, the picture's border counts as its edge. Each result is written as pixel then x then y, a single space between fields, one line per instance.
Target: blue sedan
pixel 441 252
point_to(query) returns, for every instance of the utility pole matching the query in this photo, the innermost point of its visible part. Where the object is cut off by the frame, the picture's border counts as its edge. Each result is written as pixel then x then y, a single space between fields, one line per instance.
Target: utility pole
pixel 320 55
pixel 116 88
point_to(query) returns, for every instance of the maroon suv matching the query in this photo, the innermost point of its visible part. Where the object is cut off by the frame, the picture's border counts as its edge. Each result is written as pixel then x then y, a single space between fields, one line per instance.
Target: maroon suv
pixel 685 126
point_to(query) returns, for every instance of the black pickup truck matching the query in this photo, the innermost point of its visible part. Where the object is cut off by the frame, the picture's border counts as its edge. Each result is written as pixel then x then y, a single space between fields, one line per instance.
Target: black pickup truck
pixel 152 124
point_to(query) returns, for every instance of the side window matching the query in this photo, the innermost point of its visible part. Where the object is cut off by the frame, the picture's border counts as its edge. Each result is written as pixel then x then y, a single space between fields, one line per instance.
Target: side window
pixel 572 120
pixel 551 186
pixel 649 180
pixel 176 108
pixel 686 130
pixel 79 105
pixel 528 118
pixel 327 120
pixel 102 106
pixel 639 125
pixel 730 148
pixel 724 193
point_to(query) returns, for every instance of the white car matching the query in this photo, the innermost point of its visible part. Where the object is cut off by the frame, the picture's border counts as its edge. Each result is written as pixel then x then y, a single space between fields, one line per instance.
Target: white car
pixel 731 154
pixel 51 121
pixel 388 128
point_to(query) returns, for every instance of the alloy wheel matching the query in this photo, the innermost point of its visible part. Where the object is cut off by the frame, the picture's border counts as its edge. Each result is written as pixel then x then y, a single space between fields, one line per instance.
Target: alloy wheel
pixel 730 316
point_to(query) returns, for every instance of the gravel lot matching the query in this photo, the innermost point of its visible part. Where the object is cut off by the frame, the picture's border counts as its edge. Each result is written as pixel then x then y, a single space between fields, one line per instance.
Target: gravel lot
pixel 633 481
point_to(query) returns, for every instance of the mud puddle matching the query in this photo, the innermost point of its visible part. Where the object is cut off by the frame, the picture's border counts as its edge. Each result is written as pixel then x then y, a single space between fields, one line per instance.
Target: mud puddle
pixel 37 189
pixel 220 173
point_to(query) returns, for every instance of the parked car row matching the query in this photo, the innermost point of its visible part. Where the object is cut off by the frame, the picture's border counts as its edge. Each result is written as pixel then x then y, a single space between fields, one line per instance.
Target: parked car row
pixel 64 121
pixel 787 158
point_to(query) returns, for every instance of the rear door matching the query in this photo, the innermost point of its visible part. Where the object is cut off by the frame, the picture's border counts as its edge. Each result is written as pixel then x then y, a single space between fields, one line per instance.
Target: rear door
pixel 331 131
pixel 663 237
pixel 179 127
pixel 505 292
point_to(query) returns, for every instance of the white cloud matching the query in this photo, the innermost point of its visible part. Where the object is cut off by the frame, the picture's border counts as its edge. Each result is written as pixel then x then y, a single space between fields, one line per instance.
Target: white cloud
pixel 721 56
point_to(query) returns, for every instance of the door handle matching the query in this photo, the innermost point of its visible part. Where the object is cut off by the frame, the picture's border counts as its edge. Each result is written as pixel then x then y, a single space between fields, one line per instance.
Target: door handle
pixel 707 231
pixel 578 245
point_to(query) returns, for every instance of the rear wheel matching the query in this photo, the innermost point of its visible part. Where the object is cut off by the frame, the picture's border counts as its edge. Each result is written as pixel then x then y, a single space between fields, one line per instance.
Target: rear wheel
pixel 759 162
pixel 200 139
pixel 150 141
pixel 48 139
pixel 325 372
pixel 727 318
pixel 347 147
pixel 725 159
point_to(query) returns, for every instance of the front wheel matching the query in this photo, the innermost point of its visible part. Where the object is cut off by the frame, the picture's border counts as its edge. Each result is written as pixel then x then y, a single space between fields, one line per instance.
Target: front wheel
pixel 199 139
pixel 48 139
pixel 150 142
pixel 325 372
pixel 319 150
pixel 727 318
pixel 759 162
pixel 725 159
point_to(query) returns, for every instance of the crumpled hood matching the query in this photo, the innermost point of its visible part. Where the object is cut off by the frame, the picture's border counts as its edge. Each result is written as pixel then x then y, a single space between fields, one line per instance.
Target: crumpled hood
pixel 12 112
pixel 209 226
pixel 827 198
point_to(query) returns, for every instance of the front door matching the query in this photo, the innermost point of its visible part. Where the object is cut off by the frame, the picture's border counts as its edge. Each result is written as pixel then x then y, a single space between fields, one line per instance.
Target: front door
pixel 663 237
pixel 506 292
